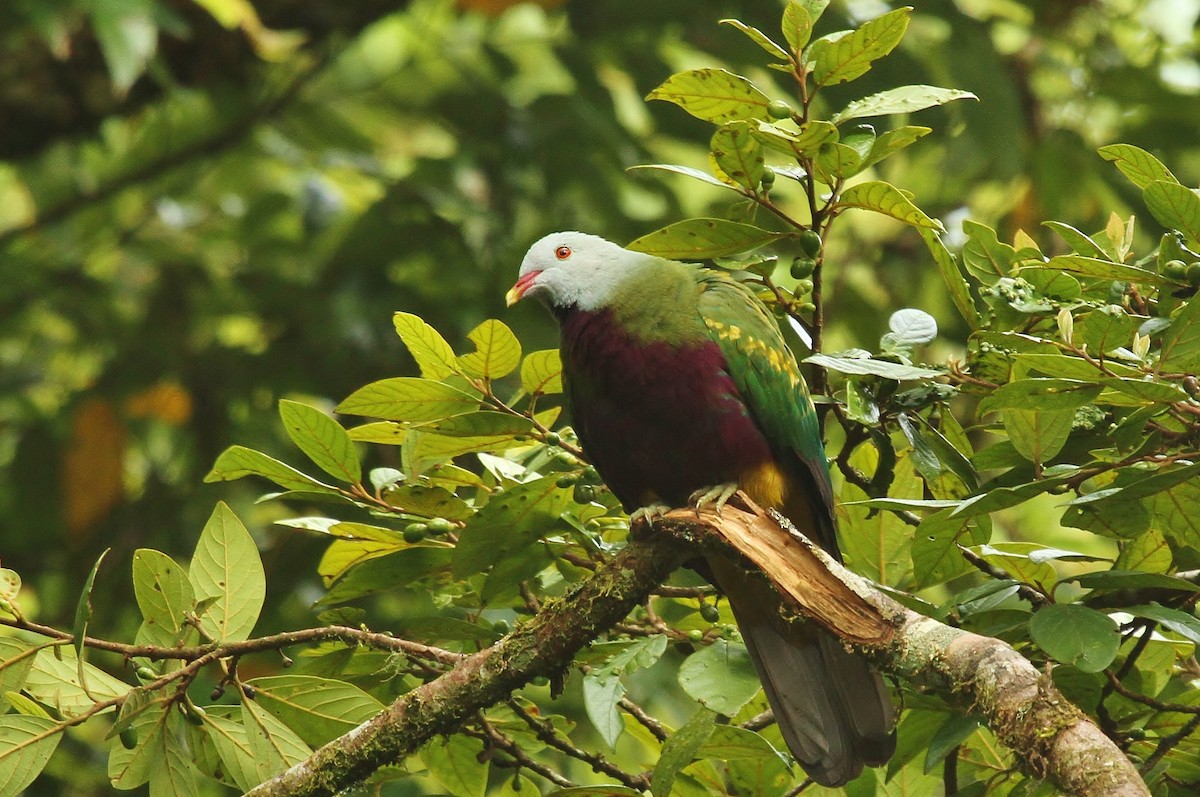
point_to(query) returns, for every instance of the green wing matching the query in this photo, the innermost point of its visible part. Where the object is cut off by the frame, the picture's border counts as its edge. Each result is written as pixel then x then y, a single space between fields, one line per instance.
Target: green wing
pixel 765 373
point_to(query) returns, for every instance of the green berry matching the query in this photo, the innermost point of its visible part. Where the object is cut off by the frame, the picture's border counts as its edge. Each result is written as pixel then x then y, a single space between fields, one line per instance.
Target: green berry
pixel 584 493
pixel 129 738
pixel 807 307
pixel 415 532
pixel 710 613
pixel 804 286
pixel 565 458
pixel 1193 273
pixel 552 438
pixel 696 635
pixel 1175 269
pixel 768 177
pixel 802 267
pixel 810 242
pixel 567 480
pixel 501 627
pixel 440 526
pixel 591 475
pixel 778 109
pixel 145 673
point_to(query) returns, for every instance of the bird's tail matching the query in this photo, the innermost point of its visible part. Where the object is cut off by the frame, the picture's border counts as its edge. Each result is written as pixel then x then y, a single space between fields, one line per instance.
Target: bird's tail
pixel 832 707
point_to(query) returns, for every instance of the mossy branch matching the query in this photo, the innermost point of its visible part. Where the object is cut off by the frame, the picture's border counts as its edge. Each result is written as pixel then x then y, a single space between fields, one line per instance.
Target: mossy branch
pixel 1052 737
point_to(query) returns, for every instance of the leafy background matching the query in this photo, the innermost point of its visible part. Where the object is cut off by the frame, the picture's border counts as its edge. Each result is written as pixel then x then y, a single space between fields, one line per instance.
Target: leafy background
pixel 206 207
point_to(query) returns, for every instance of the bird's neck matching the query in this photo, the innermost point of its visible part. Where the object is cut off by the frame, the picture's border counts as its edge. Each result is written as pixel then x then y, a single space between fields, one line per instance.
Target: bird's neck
pixel 656 304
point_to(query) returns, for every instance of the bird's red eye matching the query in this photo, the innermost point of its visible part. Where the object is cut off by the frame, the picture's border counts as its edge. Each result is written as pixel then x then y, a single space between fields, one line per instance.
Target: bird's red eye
pixel 562 252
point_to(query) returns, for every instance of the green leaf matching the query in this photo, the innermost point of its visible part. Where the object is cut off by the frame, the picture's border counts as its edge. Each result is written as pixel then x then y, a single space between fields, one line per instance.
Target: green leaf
pixel 800 144
pixel 679 750
pixel 232 743
pixel 408 398
pixel 601 695
pixel 687 171
pixel 1038 435
pixel 83 616
pixel 885 198
pixel 26 744
pixel 758 37
pixel 238 461
pixel 497 351
pixel 903 99
pixel 912 327
pixel 1097 268
pixel 275 746
pixel 1180 352
pixel 1131 579
pixel 128 37
pixel 394 570
pixel 1182 623
pixel 164 595
pixel 1077 635
pixel 16 659
pixel 1175 206
pixel 1119 518
pixel 54 680
pixel 1042 394
pixel 1147 553
pixel 1079 242
pixel 738 154
pixel 1176 513
pixel 465 434
pixel 128 769
pixel 173 774
pixel 227 569
pixel 698 239
pixel 510 522
pixel 836 161
pixel 714 95
pixel 433 354
pixel 867 365
pixel 318 709
pixel 893 141
pixel 323 439
pixel 984 255
pixel 541 373
pixel 595 791
pixel 850 56
pixel 954 731
pixel 1137 164
pixel 721 676
pixel 454 763
pixel 935 555
pixel 1104 329
pixel 960 291
pixel 10 583
pixel 798 20
pixel 1145 390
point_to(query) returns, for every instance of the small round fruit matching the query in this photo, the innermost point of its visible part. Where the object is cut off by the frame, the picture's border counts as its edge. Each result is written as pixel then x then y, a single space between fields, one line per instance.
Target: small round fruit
pixel 129 738
pixel 778 109
pixel 804 286
pixel 415 532
pixel 710 613
pixel 802 267
pixel 1175 269
pixel 810 242
pixel 696 635
pixel 584 493
pixel 144 673
pixel 440 526
pixel 567 480
pixel 552 438
pixel 807 307
pixel 565 458
pixel 591 475
pixel 501 627
pixel 768 177
pixel 1192 273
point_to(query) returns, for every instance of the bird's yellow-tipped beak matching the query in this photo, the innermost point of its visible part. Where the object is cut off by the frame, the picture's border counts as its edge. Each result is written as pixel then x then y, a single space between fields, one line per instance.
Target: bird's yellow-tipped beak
pixel 517 291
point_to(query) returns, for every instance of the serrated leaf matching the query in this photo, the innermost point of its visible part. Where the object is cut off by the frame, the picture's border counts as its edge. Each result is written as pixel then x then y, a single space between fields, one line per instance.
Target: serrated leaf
pixel 738 154
pixel 714 95
pixel 1175 206
pixel 275 746
pixel 509 522
pixel 1137 164
pixel 679 750
pixel 318 709
pixel 323 439
pixel 408 398
pixel 497 351
pixel 541 372
pixel 238 461
pixel 885 198
pixel 601 695
pixel 903 99
pixel 758 37
pixel 698 239
pixel 721 676
pixel 1076 635
pixel 226 567
pixel 454 763
pixel 26 744
pixel 433 354
pixel 867 365
pixel 848 57
pixel 164 594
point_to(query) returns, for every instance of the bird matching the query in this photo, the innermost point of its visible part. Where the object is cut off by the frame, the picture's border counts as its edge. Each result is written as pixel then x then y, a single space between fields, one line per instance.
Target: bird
pixel 682 390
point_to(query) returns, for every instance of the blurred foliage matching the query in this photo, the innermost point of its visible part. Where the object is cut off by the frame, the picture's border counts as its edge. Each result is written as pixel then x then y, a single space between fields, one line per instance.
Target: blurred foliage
pixel 208 206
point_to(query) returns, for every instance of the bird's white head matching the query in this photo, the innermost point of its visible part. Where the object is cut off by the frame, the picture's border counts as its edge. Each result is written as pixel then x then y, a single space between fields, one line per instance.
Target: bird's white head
pixel 574 269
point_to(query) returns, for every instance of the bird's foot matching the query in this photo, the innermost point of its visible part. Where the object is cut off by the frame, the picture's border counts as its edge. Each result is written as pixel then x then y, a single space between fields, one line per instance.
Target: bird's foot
pixel 649 513
pixel 718 494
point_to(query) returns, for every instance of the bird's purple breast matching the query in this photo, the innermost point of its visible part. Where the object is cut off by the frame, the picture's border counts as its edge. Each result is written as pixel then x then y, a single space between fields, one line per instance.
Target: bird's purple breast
pixel 658 419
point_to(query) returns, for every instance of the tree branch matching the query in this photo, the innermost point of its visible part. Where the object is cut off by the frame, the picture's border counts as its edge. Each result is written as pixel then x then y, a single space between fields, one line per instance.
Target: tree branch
pixel 1020 705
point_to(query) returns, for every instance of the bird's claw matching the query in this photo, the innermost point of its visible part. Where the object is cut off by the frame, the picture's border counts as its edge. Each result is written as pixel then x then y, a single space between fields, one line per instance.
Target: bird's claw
pixel 649 513
pixel 718 494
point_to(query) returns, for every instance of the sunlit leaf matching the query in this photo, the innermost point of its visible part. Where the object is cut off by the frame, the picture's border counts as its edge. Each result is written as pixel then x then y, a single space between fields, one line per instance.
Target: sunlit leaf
pixel 323 439
pixel 238 461
pixel 714 95
pixel 497 351
pixel 275 746
pixel 738 154
pixel 409 398
pixel 885 198
pixel 903 99
pixel 318 709
pixel 433 354
pixel 758 37
pixel 850 56
pixel 26 744
pixel 699 239
pixel 1137 164
pixel 1175 206
pixel 226 568
pixel 541 372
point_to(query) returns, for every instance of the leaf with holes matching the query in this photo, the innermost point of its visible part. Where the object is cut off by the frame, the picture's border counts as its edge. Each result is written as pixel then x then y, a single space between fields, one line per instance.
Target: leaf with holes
pixel 408 398
pixel 714 95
